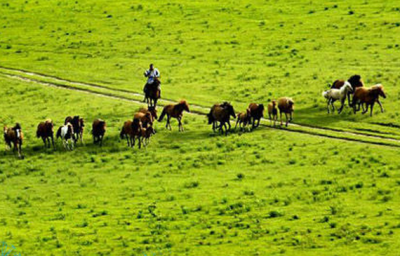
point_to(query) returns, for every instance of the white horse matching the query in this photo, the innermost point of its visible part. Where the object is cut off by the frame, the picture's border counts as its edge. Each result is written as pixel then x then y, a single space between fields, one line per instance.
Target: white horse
pixel 333 95
pixel 66 133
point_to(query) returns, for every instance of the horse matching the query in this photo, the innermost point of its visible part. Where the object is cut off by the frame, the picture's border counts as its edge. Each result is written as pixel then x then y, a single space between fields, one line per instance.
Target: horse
pixel 333 95
pixel 221 113
pixel 45 131
pixel 66 133
pixel 145 135
pixel 176 111
pixel 131 130
pixel 98 131
pixel 355 82
pixel 15 136
pixel 78 125
pixel 368 96
pixel 152 110
pixel 145 118
pixel 286 105
pixel 272 112
pixel 256 112
pixel 243 119
pixel 153 93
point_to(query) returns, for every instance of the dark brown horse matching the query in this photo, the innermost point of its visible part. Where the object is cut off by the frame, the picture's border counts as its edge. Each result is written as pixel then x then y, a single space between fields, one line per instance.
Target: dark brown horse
pixel 131 130
pixel 14 136
pixel 368 96
pixel 221 113
pixel 243 119
pixel 153 93
pixel 146 133
pixel 355 82
pixel 78 125
pixel 256 112
pixel 98 131
pixel 176 111
pixel 45 131
pixel 152 110
pixel 272 112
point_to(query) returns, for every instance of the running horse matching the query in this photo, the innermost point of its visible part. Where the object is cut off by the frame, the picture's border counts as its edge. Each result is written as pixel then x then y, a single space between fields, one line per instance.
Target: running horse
pixel 153 93
pixel 176 111
pixel 355 82
pixel 221 113
pixel 15 136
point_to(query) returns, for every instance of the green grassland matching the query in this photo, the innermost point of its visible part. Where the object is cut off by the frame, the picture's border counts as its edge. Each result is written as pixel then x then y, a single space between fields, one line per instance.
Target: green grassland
pixel 269 192
pixel 191 193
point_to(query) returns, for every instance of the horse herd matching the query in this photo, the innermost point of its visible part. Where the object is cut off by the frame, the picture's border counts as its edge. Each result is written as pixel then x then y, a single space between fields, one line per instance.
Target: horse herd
pixel 140 127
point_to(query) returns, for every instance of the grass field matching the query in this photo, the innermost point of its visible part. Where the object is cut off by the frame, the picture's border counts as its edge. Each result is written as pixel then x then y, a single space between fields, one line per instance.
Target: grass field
pixel 269 192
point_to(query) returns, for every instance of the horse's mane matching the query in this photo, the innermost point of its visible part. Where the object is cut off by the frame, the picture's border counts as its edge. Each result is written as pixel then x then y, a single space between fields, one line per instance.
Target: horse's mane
pixel 355 80
pixel 17 126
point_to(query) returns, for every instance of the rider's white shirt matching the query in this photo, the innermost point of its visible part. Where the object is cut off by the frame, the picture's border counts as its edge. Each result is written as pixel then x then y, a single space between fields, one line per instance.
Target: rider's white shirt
pixel 151 74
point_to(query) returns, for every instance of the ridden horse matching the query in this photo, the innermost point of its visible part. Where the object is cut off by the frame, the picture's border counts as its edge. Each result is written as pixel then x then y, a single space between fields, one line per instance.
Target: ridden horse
pixel 15 136
pixel 221 113
pixel 368 96
pixel 272 112
pixel 98 131
pixel 176 111
pixel 45 131
pixel 130 130
pixel 152 110
pixel 243 119
pixel 333 95
pixel 153 93
pixel 286 105
pixel 78 125
pixel 256 112
pixel 66 133
pixel 355 82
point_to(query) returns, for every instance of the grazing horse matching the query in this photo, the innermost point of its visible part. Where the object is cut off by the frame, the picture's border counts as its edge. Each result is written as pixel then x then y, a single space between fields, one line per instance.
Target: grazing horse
pixel 152 110
pixel 153 93
pixel 130 131
pixel 256 112
pixel 286 105
pixel 176 111
pixel 66 133
pixel 78 125
pixel 145 134
pixel 333 95
pixel 243 119
pixel 15 136
pixel 355 82
pixel 45 131
pixel 221 113
pixel 368 96
pixel 98 131
pixel 272 112
pixel 145 118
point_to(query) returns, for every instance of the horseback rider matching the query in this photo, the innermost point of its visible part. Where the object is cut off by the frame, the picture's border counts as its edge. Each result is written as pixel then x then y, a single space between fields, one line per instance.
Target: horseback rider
pixel 152 75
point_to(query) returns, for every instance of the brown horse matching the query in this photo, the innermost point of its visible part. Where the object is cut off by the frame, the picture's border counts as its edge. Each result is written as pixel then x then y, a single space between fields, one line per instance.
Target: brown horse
pixel 221 113
pixel 145 118
pixel 272 112
pixel 152 110
pixel 286 105
pixel 45 131
pixel 243 119
pixel 355 82
pixel 78 125
pixel 368 96
pixel 256 112
pixel 146 133
pixel 153 93
pixel 15 136
pixel 98 131
pixel 176 111
pixel 131 130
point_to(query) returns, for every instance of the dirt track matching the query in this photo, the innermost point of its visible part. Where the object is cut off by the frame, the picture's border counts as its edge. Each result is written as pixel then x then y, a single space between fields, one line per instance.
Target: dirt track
pixel 31 77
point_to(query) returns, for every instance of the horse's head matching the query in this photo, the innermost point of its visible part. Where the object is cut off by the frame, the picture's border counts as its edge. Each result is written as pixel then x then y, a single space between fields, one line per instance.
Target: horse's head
pixel 290 103
pixel 70 129
pixel 49 124
pixel 81 122
pixel 381 91
pixel 261 107
pixel 274 103
pixel 231 111
pixel 5 130
pixel 347 87
pixel 356 81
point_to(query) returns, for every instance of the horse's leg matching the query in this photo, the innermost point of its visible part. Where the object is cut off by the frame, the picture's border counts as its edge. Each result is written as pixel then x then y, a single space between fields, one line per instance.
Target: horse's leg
pixel 237 121
pixel 280 112
pixel 341 107
pixel 380 105
pixel 229 124
pixel 286 119
pixel 365 110
pixel 291 116
pixel 180 124
pixel 258 122
pixel 372 107
pixel 44 141
pixel 348 99
pixel 329 103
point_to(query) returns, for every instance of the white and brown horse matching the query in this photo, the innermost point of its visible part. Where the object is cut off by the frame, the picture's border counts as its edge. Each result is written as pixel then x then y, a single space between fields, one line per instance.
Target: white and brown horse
pixel 78 124
pixel 66 133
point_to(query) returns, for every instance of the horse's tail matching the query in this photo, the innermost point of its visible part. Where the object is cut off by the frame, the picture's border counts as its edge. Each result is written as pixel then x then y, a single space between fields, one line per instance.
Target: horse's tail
pixel 162 115
pixel 122 133
pixel 58 135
